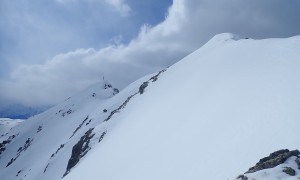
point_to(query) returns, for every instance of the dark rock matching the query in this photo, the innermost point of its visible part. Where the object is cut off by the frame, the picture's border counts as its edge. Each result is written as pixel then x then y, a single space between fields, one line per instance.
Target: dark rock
pixel 242 177
pixel 39 129
pixel 120 107
pixel 107 86
pixel 104 110
pixel 290 171
pixel 18 172
pixel 46 168
pixel 88 122
pixel 154 78
pixel 141 91
pixel 102 136
pixel 6 141
pixel 10 162
pixel 298 162
pixel 79 150
pixel 67 112
pixel 143 87
pixel 53 154
pixel 116 91
pixel 20 149
pixel 80 125
pixel 273 160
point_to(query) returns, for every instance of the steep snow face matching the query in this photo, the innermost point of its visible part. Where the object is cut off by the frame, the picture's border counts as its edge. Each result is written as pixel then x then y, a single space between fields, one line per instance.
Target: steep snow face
pixel 210 116
pixel 6 124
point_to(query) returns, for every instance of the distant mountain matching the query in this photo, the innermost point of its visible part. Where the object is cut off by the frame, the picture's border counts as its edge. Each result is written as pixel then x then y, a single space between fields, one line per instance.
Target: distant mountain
pixel 210 116
pixel 6 124
pixel 18 111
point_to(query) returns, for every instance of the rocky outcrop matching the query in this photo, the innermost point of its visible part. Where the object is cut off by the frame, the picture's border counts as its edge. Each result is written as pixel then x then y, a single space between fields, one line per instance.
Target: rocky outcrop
pixel 143 87
pixel 20 150
pixel 79 150
pixel 298 162
pixel 284 156
pixel 290 171
pixel 102 136
pixel 242 177
pixel 273 160
pixel 6 142
pixel 80 125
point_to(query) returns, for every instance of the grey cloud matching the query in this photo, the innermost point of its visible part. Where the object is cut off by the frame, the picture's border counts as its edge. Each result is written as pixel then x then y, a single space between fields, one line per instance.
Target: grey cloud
pixel 189 24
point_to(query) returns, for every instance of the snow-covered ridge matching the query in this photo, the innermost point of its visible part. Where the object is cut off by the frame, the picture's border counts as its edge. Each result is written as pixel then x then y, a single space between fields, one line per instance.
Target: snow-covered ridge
pixel 219 109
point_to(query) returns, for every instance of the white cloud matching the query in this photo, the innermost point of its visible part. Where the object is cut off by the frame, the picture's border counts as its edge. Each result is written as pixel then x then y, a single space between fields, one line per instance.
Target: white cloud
pixel 188 25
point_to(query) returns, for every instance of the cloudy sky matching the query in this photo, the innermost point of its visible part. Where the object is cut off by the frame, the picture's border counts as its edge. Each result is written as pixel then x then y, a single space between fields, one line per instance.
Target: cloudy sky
pixel 52 49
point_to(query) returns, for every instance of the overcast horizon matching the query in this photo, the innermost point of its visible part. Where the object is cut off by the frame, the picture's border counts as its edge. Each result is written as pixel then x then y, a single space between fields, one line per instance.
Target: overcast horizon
pixel 53 49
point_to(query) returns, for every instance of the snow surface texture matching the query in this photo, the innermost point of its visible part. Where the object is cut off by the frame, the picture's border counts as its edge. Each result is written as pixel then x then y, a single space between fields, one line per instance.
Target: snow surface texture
pixel 210 116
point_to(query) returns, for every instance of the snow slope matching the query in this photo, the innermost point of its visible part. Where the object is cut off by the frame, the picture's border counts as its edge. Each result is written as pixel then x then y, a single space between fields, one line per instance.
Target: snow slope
pixel 210 116
pixel 40 148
